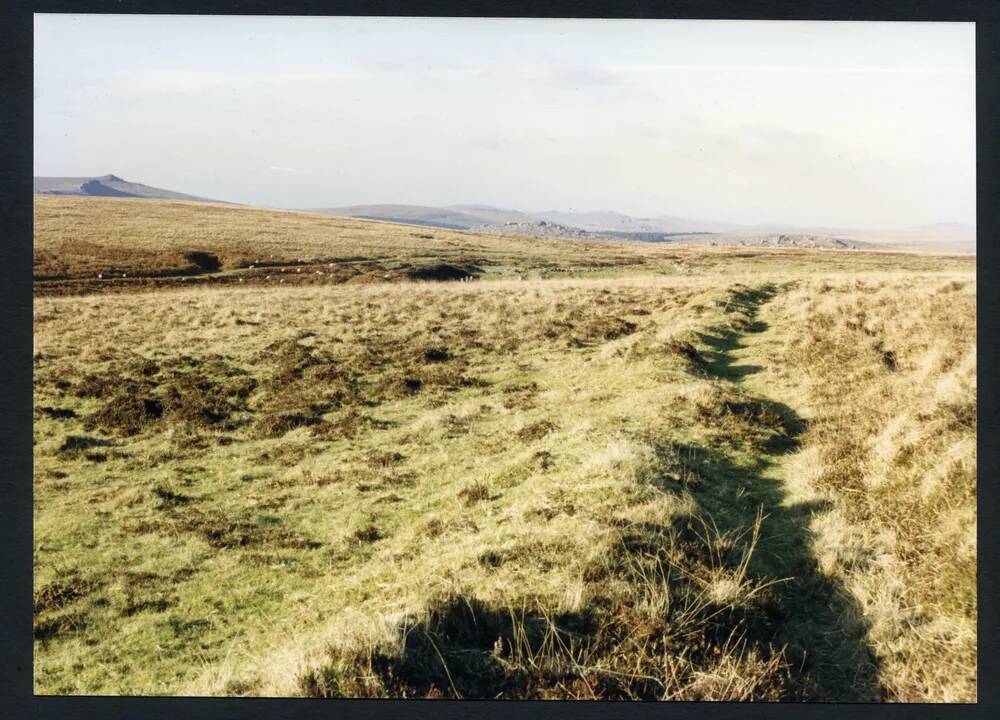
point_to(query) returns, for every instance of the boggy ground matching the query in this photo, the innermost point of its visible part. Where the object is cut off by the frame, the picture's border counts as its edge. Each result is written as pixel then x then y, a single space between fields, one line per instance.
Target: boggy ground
pixel 688 486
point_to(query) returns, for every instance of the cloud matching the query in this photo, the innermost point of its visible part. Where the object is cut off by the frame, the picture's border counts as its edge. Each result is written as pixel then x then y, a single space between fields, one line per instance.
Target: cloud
pixel 802 68
pixel 199 82
pixel 282 168
pixel 548 72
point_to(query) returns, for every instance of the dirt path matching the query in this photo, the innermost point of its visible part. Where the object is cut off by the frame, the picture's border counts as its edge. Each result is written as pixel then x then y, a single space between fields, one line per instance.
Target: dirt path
pixel 821 623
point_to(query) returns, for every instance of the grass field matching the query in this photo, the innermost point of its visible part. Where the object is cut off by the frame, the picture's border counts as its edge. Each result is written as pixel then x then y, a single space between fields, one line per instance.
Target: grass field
pixel 598 471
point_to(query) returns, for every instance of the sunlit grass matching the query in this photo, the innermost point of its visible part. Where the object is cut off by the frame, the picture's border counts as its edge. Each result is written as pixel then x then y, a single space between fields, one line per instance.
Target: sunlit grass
pixel 714 484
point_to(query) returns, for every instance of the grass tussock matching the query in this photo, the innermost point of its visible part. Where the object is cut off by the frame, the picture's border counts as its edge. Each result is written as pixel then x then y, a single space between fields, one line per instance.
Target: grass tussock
pixel 649 625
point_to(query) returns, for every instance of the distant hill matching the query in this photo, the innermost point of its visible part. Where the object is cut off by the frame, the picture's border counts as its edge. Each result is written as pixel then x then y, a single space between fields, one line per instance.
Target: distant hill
pixel 489 215
pixel 548 228
pixel 605 221
pixel 939 237
pixel 410 214
pixel 452 217
pixel 476 216
pixel 936 237
pixel 107 186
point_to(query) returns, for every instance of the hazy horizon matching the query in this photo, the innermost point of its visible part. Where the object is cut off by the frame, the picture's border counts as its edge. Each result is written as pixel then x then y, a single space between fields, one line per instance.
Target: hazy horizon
pixel 749 122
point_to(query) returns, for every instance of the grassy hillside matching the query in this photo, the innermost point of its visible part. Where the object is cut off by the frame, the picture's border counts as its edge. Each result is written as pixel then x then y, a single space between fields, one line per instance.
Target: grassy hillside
pixel 703 475
pixel 157 244
pixel 82 237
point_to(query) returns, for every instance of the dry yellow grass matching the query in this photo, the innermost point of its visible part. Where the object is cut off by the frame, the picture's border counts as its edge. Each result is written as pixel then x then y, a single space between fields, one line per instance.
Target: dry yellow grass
pixel 702 484
pixel 890 366
pixel 81 238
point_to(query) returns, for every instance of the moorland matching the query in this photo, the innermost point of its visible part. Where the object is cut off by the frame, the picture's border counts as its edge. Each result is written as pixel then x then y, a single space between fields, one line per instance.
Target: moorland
pixel 287 453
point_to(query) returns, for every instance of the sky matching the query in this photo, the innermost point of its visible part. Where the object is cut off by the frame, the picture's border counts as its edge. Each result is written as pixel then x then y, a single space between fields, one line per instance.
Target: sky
pixel 812 123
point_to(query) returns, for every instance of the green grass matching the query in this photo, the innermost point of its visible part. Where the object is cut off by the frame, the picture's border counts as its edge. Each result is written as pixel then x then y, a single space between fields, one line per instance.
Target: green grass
pixel 593 488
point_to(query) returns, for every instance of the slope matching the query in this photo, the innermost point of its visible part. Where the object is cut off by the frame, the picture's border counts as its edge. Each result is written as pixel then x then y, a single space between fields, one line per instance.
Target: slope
pixel 107 186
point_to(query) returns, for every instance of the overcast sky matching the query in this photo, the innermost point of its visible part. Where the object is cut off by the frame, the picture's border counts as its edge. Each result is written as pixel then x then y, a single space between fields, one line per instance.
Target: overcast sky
pixel 823 123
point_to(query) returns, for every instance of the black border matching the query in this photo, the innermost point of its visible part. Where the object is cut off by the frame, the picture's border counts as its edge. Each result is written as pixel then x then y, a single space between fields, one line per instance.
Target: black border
pixel 16 110
pixel 924 10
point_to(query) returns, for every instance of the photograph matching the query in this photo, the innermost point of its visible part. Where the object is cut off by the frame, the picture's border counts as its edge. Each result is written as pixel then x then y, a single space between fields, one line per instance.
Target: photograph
pixel 483 358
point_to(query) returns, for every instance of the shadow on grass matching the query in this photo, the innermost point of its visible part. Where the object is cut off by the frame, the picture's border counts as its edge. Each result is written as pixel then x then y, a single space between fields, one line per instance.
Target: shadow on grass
pixel 622 643
pixel 719 361
pixel 460 651
pixel 638 634
pixel 819 621
pixel 822 624
pixel 724 340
